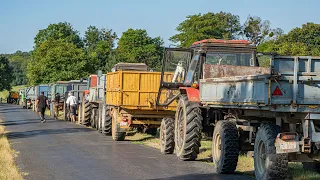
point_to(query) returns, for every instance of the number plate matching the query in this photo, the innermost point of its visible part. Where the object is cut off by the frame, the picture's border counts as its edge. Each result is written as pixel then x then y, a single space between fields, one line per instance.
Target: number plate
pixel 288 145
pixel 123 123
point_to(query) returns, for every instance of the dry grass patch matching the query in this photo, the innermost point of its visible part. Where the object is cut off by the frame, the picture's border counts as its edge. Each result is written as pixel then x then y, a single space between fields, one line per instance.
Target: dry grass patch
pixel 8 169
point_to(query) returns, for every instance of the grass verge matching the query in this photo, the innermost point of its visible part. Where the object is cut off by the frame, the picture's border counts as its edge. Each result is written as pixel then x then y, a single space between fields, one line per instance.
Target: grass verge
pixel 245 163
pixel 8 169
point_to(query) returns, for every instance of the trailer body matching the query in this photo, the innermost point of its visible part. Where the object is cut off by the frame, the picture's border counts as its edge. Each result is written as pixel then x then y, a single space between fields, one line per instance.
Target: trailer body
pixel 131 99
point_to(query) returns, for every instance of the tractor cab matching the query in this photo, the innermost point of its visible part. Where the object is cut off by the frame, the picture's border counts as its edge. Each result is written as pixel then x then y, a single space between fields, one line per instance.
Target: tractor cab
pixel 188 65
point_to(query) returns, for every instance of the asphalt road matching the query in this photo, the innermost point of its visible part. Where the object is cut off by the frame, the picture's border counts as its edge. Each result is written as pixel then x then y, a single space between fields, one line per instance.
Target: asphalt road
pixel 62 150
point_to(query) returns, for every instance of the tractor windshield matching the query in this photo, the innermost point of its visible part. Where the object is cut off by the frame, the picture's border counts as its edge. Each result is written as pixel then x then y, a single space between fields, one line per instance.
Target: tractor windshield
pixel 235 59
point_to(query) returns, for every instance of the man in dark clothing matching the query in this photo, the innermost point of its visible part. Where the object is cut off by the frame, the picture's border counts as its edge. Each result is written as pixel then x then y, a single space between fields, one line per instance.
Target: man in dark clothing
pixel 41 104
pixel 56 105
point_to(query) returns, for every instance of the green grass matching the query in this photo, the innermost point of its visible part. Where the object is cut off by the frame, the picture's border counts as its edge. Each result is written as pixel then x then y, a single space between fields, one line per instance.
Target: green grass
pixel 4 94
pixel 245 163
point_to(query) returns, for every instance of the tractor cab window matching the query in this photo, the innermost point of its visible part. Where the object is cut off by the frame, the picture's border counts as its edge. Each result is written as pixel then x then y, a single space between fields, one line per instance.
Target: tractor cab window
pixel 235 59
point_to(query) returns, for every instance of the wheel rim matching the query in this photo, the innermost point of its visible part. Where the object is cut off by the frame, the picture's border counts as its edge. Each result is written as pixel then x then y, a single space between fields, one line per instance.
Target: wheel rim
pixel 162 136
pixel 261 157
pixel 216 147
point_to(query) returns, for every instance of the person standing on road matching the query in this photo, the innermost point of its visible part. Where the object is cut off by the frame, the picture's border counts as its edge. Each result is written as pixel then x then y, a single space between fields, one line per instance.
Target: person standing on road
pixel 41 104
pixel 56 105
pixel 72 106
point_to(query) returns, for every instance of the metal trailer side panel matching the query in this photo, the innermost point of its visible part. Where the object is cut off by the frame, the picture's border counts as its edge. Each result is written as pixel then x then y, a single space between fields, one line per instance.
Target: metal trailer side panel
pixel 134 90
pixel 101 88
pixel 292 86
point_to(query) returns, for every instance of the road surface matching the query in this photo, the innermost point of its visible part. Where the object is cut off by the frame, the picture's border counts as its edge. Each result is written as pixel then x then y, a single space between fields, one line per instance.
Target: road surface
pixel 62 150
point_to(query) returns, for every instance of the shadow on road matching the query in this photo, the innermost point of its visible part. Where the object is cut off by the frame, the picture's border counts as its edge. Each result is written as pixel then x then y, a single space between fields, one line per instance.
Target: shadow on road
pixel 20 122
pixel 212 176
pixel 27 134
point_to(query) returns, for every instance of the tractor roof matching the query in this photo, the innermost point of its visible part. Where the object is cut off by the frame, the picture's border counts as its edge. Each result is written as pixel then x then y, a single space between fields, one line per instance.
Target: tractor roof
pixel 214 44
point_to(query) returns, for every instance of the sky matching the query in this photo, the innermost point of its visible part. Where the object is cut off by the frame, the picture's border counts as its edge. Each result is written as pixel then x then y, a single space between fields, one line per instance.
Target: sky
pixel 20 20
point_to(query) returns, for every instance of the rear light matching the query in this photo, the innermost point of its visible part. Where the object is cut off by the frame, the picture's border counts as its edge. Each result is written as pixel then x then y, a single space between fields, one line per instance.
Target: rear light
pixel 277 92
pixel 196 86
pixel 288 136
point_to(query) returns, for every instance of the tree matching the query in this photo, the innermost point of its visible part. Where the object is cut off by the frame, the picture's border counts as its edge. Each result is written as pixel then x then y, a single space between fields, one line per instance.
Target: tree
pixel 57 60
pixel 256 30
pixel 197 27
pixel 299 41
pixel 6 76
pixel 61 30
pixel 137 46
pixel 99 45
pixel 19 61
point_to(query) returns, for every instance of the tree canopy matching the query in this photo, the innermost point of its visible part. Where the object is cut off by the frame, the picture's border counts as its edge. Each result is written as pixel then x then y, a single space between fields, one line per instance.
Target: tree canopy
pixel 61 30
pixel 57 60
pixel 19 61
pixel 6 76
pixel 99 44
pixel 299 41
pixel 137 46
pixel 197 27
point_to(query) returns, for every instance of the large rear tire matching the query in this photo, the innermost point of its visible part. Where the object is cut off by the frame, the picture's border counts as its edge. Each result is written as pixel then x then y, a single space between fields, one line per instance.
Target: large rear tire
pixel 116 134
pixel 167 136
pixel 225 146
pixel 87 112
pixel 188 126
pixel 94 118
pixel 107 123
pixel 267 164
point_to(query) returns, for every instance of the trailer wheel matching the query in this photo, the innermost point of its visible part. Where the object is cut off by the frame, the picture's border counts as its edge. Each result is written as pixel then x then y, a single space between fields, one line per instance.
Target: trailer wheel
pixel 87 112
pixel 268 164
pixel 225 146
pixel 167 136
pixel 188 126
pixel 107 123
pixel 116 134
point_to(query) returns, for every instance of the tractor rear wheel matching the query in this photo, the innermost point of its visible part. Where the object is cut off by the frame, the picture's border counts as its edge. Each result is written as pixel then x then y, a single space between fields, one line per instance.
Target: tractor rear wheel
pixel 167 136
pixel 188 126
pixel 87 112
pixel 107 123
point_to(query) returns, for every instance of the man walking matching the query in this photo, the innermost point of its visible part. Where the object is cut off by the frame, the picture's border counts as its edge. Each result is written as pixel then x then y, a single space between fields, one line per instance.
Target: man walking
pixel 41 104
pixel 72 105
pixel 56 102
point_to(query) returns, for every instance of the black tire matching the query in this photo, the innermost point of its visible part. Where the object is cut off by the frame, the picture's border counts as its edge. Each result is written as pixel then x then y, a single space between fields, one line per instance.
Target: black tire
pixel 311 166
pixel 87 112
pixel 225 146
pixel 267 164
pixel 94 118
pixel 167 136
pixel 188 126
pixel 107 123
pixel 116 134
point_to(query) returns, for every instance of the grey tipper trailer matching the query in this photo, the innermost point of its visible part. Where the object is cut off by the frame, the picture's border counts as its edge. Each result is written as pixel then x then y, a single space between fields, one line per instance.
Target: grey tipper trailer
pixel 275 110
pixel 222 92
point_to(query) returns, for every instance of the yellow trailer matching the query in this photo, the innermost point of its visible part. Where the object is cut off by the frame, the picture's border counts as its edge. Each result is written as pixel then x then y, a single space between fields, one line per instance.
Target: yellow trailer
pixel 131 101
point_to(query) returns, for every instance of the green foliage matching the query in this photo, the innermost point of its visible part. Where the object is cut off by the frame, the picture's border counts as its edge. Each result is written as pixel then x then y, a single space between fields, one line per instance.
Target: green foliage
pixel 197 27
pixel 99 45
pixel 257 31
pixel 19 61
pixel 57 60
pixel 135 46
pixel 299 41
pixel 61 30
pixel 6 76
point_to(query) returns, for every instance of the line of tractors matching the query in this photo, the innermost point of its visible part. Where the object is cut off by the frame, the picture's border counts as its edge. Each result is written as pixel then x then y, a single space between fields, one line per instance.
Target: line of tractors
pixel 214 88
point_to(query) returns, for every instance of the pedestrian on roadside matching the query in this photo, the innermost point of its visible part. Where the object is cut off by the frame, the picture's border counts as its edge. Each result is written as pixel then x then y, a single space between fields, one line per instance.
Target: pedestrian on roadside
pixel 41 104
pixel 56 102
pixel 72 106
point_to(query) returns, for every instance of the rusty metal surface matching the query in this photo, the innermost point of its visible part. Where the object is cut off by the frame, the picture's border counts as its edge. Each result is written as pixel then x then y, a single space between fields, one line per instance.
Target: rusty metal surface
pixel 217 71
